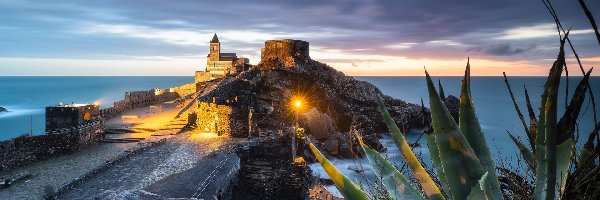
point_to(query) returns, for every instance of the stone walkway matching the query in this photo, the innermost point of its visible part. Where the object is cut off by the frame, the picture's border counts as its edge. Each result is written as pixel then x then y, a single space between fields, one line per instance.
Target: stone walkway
pixel 176 155
pixel 51 175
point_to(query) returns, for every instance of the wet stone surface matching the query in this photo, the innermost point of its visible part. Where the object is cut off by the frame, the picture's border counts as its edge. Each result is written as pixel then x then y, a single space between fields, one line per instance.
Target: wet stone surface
pixel 142 169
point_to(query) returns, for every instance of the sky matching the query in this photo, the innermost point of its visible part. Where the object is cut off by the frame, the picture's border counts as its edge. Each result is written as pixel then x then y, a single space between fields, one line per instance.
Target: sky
pixel 357 37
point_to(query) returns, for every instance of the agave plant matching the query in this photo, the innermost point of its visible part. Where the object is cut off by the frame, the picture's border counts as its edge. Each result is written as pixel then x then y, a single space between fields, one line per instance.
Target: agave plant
pixel 461 157
pixel 458 152
pixel 552 141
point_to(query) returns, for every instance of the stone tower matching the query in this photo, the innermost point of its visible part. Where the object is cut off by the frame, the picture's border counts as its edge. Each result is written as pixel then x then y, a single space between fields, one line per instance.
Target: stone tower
pixel 215 49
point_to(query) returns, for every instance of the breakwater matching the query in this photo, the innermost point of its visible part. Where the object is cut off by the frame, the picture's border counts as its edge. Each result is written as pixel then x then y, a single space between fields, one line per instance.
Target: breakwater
pixel 28 149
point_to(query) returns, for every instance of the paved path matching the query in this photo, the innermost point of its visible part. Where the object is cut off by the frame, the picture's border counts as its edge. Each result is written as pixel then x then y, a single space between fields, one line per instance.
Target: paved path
pixel 52 174
pixel 176 155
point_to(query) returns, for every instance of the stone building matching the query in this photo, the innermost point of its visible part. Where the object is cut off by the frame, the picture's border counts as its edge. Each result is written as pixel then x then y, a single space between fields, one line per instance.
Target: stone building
pixel 70 115
pixel 223 64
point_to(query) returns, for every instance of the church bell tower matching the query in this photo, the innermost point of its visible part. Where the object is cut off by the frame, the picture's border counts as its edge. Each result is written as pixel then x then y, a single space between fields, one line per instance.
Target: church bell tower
pixel 215 49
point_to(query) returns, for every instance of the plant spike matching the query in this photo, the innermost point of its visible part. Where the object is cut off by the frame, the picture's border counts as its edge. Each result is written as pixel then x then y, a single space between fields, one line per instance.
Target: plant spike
pixel 348 189
pixel 397 186
pixel 428 185
pixel 470 128
pixel 532 121
pixel 550 124
pixel 442 95
pixel 461 166
pixel 540 147
pixel 512 97
pixel 434 155
pixel 525 152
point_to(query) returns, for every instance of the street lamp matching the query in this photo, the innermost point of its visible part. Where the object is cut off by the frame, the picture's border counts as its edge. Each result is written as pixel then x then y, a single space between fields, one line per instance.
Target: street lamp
pixel 298 132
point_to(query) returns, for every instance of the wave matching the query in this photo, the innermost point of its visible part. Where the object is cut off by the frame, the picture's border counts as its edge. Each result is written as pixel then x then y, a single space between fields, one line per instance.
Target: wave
pixel 16 112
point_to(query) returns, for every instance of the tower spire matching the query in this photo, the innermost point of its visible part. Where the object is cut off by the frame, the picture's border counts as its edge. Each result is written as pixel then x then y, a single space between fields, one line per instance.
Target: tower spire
pixel 215 39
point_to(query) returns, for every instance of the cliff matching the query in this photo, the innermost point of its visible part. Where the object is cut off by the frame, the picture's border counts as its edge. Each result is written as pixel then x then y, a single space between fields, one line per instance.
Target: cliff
pixel 287 71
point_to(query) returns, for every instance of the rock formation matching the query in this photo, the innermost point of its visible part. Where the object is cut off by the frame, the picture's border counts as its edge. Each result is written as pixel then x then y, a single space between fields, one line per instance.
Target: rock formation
pixel 286 71
pixel 3 110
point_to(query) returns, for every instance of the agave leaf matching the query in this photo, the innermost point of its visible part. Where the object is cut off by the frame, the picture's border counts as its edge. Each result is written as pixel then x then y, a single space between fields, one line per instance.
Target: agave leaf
pixel 479 191
pixel 551 126
pixel 512 97
pixel 434 155
pixel 470 128
pixel 348 189
pixel 461 166
pixel 540 147
pixel 525 152
pixel 532 120
pixel 429 187
pixel 564 157
pixel 442 95
pixel 396 184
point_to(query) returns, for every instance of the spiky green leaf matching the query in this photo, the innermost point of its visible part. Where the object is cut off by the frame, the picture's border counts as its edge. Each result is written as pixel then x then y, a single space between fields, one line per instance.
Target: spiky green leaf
pixel 550 125
pixel 480 191
pixel 470 128
pixel 397 186
pixel 348 189
pixel 434 155
pixel 428 185
pixel 525 152
pixel 461 166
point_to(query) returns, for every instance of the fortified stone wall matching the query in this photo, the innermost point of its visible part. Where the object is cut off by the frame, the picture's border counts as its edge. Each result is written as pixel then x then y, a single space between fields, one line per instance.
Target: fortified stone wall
pixel 28 149
pixel 286 53
pixel 138 99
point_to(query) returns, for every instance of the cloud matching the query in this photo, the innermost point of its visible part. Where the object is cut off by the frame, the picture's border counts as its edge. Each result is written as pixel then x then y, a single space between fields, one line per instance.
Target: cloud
pixel 537 31
pixel 504 49
pixel 369 29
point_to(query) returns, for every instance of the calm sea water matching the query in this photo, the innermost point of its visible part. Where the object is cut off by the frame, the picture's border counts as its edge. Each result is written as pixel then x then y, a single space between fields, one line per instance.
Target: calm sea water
pixel 493 105
pixel 27 97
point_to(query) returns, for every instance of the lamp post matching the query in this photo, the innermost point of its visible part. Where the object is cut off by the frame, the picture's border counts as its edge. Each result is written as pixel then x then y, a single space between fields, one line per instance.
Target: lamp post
pixel 298 132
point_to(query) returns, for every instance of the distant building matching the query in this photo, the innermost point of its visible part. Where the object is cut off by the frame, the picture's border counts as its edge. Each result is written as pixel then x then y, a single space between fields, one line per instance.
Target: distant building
pixel 223 64
pixel 70 115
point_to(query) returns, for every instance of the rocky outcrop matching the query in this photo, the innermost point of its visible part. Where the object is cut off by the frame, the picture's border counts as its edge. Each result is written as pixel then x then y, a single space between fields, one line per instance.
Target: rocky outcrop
pixel 453 104
pixel 3 110
pixel 287 72
pixel 266 172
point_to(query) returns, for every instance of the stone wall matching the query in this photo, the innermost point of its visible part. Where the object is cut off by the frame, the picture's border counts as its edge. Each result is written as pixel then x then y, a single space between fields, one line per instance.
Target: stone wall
pixel 184 90
pixel 221 119
pixel 201 76
pixel 284 53
pixel 214 118
pixel 138 99
pixel 28 149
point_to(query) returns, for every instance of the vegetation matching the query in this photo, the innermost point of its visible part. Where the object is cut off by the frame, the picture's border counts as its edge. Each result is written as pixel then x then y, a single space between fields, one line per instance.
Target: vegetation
pixel 461 158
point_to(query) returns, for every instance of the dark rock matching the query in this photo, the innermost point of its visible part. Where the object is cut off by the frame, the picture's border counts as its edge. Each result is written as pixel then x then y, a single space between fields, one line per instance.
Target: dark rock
pixel 3 110
pixel 453 105
pixel 267 172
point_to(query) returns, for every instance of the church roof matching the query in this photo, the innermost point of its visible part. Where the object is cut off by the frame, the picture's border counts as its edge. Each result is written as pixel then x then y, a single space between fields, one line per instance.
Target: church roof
pixel 215 39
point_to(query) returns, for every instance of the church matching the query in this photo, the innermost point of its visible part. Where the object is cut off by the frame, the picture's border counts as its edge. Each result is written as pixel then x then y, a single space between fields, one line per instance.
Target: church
pixel 220 65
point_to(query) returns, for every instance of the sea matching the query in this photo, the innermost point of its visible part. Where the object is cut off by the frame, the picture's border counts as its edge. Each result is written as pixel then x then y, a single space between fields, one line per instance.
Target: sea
pixel 26 97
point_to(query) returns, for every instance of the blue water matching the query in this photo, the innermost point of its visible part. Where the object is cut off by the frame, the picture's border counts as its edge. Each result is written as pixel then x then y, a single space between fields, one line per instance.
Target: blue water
pixel 493 105
pixel 27 97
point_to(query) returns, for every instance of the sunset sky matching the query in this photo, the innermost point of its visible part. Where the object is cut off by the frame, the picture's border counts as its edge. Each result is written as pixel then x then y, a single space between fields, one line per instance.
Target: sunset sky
pixel 358 37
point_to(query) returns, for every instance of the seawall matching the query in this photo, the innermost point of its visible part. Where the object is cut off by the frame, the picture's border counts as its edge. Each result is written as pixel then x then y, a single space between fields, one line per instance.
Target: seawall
pixel 26 149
